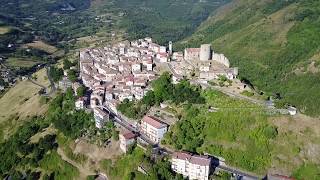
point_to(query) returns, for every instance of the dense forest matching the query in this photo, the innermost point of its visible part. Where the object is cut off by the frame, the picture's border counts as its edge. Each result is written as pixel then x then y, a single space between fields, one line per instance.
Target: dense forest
pixel 274 43
pixel 165 20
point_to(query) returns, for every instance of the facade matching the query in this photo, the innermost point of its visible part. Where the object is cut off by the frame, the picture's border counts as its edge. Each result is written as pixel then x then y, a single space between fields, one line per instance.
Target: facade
pixel 126 139
pixel 177 56
pixel 191 166
pixel 191 53
pixel 153 128
pixel 100 117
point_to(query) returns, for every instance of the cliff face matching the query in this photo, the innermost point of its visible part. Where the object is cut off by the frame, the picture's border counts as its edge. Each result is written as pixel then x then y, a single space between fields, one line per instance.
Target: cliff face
pixel 275 44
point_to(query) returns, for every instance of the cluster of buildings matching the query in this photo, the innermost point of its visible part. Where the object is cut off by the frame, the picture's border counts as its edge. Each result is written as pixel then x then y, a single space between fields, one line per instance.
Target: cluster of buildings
pixel 7 78
pixel 124 70
pixel 121 71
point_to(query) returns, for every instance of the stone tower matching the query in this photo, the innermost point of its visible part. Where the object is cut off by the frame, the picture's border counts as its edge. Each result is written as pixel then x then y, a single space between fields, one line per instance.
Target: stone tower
pixel 205 52
pixel 170 47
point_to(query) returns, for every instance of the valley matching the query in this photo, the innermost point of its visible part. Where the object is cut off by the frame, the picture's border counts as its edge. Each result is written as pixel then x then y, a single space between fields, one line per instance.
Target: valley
pixel 112 72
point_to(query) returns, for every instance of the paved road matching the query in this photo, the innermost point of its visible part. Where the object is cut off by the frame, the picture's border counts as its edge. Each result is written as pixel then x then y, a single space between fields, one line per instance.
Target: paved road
pixel 128 126
pixel 239 96
pixel 242 174
pixel 52 89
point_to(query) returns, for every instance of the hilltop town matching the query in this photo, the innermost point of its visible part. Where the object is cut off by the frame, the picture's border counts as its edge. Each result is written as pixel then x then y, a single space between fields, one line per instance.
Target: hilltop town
pixel 111 90
pixel 124 71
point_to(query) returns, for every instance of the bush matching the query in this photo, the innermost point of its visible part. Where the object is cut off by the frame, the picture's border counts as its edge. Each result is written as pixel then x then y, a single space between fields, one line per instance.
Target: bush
pixel 247 93
pixel 55 73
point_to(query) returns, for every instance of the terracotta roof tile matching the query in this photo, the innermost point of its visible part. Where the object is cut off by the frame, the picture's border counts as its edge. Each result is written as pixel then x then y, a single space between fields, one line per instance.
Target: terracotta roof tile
pixel 154 122
pixel 129 135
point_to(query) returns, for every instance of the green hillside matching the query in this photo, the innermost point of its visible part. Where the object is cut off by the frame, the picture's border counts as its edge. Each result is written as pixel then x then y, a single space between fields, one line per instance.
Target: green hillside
pixel 276 45
pixel 165 20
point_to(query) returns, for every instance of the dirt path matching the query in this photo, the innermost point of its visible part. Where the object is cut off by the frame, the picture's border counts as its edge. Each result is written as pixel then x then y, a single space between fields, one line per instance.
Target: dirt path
pixel 95 153
pixel 84 172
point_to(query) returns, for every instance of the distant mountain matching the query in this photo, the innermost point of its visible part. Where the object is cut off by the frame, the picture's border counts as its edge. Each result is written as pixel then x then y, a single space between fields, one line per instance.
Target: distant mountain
pixel 275 43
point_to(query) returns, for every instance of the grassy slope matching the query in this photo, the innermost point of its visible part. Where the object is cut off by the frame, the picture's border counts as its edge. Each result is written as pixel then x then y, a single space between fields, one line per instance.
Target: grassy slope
pixel 240 133
pixel 270 41
pixel 20 102
pixel 41 46
pixel 122 168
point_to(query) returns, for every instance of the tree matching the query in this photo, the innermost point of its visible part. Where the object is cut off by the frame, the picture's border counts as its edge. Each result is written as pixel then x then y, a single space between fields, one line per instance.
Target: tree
pixel 131 176
pixel 81 91
pixel 162 87
pixel 149 98
pixel 115 134
pixel 3 83
pixel 67 64
pixel 55 73
pixel 72 75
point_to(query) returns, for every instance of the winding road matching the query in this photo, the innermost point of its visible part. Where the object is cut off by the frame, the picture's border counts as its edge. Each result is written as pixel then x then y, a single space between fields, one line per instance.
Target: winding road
pixel 53 87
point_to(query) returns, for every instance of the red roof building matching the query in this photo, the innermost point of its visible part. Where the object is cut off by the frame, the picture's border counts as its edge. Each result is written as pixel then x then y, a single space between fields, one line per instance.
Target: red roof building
pixel 153 128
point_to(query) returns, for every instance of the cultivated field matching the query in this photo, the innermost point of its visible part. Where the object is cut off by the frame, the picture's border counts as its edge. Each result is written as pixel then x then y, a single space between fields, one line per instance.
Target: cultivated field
pixel 4 29
pixel 41 46
pixel 21 62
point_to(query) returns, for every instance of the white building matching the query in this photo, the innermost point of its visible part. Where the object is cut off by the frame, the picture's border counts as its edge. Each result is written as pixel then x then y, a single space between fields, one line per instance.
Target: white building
pixel 191 166
pixel 149 66
pixel 292 110
pixel 136 67
pixel 148 39
pixel 100 117
pixel 163 49
pixel 80 103
pixel 126 139
pixel 153 128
